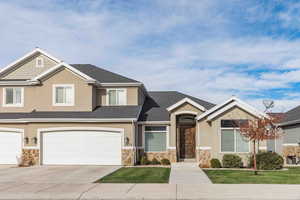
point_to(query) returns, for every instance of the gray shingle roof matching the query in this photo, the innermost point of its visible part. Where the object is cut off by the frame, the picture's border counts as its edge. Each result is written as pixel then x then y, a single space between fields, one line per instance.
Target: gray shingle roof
pixel 292 115
pixel 104 112
pixel 102 75
pixel 155 107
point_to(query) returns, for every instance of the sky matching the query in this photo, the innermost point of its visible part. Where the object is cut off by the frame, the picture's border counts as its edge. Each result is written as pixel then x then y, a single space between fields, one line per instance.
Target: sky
pixel 210 49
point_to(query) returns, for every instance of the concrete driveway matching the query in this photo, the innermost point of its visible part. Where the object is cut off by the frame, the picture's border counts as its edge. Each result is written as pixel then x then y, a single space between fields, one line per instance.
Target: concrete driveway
pixel 54 174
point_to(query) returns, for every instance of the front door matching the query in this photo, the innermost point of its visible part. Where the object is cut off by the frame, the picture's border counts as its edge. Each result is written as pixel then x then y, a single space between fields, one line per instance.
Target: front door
pixel 187 142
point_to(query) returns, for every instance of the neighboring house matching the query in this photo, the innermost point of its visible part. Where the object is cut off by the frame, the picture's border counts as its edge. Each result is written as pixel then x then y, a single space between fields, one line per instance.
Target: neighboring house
pixel 60 114
pixel 289 144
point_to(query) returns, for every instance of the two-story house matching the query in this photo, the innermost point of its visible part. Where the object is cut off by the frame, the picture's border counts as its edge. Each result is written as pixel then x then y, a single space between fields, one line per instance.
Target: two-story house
pixel 78 114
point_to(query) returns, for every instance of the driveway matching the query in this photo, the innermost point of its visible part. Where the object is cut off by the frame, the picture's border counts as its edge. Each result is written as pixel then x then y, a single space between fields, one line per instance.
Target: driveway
pixel 54 174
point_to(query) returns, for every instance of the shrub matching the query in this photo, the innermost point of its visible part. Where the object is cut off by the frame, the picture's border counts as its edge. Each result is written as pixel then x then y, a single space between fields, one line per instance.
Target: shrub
pixel 232 161
pixel 144 160
pixel 155 162
pixel 215 163
pixel 267 161
pixel 165 161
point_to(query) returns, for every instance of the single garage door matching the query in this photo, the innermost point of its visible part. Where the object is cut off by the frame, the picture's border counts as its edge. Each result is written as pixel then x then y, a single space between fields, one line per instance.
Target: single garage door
pixel 81 148
pixel 10 147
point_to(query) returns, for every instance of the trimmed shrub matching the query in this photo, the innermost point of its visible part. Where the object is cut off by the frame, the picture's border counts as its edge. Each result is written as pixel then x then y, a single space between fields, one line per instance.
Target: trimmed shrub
pixel 232 161
pixel 267 161
pixel 165 162
pixel 215 163
pixel 155 162
pixel 144 160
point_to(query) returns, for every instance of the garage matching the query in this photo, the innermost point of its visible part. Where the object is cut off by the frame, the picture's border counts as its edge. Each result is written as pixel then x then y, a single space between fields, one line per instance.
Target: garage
pixel 81 147
pixel 10 146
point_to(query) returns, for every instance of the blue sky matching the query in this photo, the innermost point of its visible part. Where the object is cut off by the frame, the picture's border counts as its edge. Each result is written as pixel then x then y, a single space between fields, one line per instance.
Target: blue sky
pixel 206 48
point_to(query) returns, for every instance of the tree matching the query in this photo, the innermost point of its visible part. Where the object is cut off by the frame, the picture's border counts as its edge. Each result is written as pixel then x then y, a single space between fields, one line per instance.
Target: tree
pixel 260 129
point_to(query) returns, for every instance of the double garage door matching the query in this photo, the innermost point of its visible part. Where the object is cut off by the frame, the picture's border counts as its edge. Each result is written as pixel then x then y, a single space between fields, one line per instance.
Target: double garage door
pixel 78 147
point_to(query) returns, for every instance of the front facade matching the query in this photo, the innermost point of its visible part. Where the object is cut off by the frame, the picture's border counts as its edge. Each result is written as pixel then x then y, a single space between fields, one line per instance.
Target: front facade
pixel 53 113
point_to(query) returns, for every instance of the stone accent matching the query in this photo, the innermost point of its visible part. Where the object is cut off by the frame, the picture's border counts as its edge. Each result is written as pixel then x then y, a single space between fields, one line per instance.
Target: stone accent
pixel 128 157
pixel 170 155
pixel 291 151
pixel 29 157
pixel 203 157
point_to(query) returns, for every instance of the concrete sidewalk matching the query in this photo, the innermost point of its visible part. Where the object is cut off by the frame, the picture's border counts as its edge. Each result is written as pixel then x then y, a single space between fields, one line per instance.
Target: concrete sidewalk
pixel 148 191
pixel 187 173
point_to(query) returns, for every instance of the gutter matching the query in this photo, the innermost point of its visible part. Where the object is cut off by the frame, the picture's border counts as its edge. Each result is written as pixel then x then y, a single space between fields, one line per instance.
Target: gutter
pixel 64 120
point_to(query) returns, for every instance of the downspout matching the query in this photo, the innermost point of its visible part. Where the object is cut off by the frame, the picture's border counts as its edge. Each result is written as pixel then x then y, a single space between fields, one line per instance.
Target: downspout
pixel 134 141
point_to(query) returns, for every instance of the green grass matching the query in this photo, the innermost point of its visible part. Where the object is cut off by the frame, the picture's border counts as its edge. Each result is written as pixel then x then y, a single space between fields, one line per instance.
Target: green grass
pixel 290 176
pixel 138 175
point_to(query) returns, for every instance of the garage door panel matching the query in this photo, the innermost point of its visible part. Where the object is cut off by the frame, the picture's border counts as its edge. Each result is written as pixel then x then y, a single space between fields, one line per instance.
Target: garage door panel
pixel 10 147
pixel 82 148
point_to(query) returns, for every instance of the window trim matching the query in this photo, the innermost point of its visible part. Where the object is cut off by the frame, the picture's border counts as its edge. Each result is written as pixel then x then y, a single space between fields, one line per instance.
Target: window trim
pixel 167 138
pixel 232 152
pixel 37 61
pixel 54 95
pixel 107 96
pixel 4 104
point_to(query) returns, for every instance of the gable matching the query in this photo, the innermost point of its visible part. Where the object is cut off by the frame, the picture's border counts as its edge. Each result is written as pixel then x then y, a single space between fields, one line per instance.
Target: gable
pixel 235 113
pixel 187 107
pixel 27 68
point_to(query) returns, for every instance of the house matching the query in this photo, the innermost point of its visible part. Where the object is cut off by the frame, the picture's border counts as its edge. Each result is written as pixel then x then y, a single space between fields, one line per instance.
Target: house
pixel 55 113
pixel 289 144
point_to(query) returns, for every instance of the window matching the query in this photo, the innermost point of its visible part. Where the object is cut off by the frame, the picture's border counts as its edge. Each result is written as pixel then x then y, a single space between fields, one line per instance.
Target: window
pixel 155 138
pixel 116 97
pixel 13 97
pixel 63 95
pixel 39 62
pixel 271 145
pixel 232 140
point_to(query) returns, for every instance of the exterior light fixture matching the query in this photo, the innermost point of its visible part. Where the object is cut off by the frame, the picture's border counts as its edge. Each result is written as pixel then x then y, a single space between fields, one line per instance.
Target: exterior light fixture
pixel 26 139
pixel 35 140
pixel 126 141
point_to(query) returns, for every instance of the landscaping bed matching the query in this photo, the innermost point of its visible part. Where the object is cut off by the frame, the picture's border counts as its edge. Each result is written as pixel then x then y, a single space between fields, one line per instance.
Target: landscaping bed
pixel 138 175
pixel 290 176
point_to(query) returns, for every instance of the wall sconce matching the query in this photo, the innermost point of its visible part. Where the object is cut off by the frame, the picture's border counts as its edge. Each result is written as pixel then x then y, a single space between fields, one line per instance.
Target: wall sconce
pixel 126 141
pixel 34 140
pixel 26 139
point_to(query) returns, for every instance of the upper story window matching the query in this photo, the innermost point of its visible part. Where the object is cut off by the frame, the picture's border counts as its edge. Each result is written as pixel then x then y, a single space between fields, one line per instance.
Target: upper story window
pixel 232 141
pixel 39 62
pixel 116 97
pixel 63 95
pixel 13 97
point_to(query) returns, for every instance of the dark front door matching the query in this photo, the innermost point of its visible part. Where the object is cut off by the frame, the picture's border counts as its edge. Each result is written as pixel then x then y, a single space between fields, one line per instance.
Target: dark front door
pixel 187 142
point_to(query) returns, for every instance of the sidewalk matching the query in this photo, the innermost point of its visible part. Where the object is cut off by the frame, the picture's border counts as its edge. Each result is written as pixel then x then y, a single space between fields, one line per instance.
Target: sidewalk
pixel 187 173
pixel 149 191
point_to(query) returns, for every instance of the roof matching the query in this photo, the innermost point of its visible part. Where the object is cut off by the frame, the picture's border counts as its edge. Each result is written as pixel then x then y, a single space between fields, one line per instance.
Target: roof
pixel 102 75
pixel 156 104
pixel 103 112
pixel 292 116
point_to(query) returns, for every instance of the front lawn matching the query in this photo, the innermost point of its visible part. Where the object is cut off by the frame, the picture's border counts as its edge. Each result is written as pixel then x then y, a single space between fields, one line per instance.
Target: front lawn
pixel 290 176
pixel 138 175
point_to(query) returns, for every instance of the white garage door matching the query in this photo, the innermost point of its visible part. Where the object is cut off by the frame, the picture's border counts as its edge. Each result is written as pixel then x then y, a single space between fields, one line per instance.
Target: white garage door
pixel 10 147
pixel 81 148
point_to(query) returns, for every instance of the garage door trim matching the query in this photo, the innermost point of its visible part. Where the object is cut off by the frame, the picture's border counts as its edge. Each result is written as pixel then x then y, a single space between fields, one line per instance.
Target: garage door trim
pixel 45 130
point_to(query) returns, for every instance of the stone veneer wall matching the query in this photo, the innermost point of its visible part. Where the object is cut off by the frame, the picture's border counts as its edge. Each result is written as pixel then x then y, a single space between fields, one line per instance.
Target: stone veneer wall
pixel 30 157
pixel 291 151
pixel 170 155
pixel 203 157
pixel 128 157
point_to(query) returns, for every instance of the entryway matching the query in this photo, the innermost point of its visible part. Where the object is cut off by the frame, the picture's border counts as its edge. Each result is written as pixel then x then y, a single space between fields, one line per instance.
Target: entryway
pixel 186 137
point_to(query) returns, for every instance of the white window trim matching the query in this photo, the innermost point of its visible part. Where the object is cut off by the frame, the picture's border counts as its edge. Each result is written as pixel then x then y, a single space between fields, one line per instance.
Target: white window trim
pixel 37 62
pixel 232 152
pixel 107 96
pixel 13 105
pixel 167 138
pixel 54 95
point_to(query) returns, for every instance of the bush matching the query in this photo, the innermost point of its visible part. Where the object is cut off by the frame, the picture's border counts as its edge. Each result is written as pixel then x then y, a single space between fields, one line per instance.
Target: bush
pixel 215 163
pixel 267 161
pixel 165 162
pixel 232 161
pixel 155 162
pixel 144 160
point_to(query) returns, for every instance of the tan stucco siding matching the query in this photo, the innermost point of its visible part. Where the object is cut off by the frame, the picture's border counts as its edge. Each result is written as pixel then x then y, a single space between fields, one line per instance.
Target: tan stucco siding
pixel 186 107
pixel 40 98
pixel 132 95
pixel 209 133
pixel 31 129
pixel 27 69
